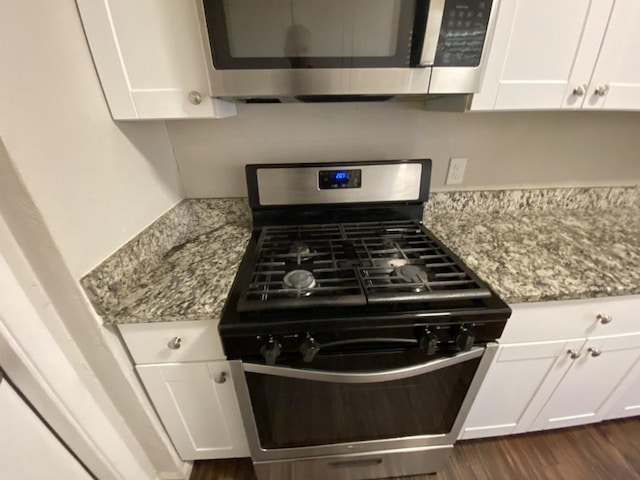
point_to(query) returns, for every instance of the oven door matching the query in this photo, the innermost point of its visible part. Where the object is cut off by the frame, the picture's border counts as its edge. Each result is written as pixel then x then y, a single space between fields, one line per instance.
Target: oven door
pixel 356 403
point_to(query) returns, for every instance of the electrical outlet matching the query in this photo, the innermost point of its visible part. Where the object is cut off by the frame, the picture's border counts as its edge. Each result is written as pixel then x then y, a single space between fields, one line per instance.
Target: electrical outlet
pixel 456 171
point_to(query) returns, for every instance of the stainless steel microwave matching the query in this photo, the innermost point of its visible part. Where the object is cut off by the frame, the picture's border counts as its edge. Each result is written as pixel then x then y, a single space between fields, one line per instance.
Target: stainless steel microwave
pixel 264 50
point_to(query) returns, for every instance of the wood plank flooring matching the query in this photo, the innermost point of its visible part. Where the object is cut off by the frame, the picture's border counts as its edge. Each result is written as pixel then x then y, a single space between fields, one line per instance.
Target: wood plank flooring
pixel 607 451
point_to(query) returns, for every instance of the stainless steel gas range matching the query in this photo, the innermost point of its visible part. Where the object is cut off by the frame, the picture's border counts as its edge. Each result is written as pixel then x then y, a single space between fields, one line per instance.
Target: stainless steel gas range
pixel 359 339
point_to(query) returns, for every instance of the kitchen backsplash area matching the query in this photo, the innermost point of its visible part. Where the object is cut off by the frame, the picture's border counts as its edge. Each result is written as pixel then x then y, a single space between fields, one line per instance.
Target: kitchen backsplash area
pixel 504 150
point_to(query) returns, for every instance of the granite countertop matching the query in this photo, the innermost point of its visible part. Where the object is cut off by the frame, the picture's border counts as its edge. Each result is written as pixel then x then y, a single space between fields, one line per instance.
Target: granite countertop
pixel 528 245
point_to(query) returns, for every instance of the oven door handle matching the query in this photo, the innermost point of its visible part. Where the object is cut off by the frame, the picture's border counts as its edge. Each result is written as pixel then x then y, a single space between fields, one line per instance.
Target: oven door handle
pixel 365 377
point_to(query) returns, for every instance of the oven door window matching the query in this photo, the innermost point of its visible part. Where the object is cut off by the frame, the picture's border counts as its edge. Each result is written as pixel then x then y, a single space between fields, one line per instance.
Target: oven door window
pixel 294 412
pixel 274 34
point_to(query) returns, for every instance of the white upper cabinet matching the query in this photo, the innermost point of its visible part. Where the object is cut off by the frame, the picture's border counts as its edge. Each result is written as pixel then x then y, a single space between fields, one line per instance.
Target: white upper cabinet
pixel 617 73
pixel 550 55
pixel 150 57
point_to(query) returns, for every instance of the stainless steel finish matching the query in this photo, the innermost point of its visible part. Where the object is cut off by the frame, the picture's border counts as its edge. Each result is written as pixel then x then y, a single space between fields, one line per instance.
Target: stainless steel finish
pixel 195 97
pixel 284 83
pixel 574 354
pixel 445 80
pixel 259 454
pixel 604 319
pixel 432 32
pixel 175 343
pixel 380 183
pixel 392 463
pixel 580 90
pixel 369 377
pixel 221 378
pixel 239 84
pixel 595 352
pixel 602 90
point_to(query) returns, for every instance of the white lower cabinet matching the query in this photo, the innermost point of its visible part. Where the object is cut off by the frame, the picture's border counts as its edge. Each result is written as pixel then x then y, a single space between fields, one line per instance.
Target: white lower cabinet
pixel 561 364
pixel 592 385
pixel 521 378
pixel 628 405
pixel 197 404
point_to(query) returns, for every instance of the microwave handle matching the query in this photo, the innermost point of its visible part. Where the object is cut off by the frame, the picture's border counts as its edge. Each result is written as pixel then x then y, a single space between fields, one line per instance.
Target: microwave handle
pixel 432 32
pixel 365 377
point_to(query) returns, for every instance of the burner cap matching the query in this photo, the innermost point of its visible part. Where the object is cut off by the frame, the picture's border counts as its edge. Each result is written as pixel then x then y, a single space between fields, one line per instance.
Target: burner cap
pixel 299 248
pixel 299 280
pixel 413 274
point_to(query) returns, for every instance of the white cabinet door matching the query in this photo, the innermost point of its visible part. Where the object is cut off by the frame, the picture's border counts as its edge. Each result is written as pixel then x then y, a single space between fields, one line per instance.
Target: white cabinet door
pixel 617 71
pixel 520 380
pixel 592 385
pixel 628 405
pixel 201 416
pixel 149 56
pixel 541 50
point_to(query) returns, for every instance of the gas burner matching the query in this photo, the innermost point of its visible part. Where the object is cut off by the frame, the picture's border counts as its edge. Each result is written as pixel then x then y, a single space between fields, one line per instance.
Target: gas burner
pixel 302 281
pixel 300 250
pixel 388 244
pixel 416 275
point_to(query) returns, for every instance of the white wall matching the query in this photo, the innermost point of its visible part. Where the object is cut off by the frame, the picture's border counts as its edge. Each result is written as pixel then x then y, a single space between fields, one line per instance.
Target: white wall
pixel 97 183
pixel 504 149
pixel 74 187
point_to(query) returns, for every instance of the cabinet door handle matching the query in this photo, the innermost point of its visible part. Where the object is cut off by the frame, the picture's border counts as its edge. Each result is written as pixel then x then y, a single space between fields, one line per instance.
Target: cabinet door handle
pixel 602 90
pixel 595 352
pixel 175 343
pixel 195 97
pixel 573 354
pixel 221 378
pixel 604 319
pixel 580 90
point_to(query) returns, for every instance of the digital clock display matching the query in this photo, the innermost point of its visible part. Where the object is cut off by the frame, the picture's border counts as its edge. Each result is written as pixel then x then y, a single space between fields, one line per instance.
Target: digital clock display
pixel 333 179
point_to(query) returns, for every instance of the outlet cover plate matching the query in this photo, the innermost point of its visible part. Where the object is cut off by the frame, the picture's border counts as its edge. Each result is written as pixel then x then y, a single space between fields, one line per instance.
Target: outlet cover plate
pixel 455 175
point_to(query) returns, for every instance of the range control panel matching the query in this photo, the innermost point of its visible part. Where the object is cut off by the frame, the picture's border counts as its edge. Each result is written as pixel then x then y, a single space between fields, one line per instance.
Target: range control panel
pixel 332 179
pixel 463 32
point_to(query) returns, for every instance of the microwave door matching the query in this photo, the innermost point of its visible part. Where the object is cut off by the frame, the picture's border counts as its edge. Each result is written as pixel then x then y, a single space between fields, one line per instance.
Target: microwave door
pixel 297 48
pixel 309 34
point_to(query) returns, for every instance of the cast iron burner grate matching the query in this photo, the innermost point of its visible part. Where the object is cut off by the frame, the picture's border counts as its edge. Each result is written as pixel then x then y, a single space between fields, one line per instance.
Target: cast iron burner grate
pixel 350 264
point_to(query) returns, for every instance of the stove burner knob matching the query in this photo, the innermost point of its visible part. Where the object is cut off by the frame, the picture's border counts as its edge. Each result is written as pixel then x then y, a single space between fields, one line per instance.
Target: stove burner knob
pixel 465 339
pixel 429 342
pixel 309 348
pixel 271 350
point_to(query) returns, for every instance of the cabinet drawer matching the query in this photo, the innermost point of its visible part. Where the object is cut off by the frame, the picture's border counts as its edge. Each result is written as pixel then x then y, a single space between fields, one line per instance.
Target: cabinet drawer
pixel 149 342
pixel 548 321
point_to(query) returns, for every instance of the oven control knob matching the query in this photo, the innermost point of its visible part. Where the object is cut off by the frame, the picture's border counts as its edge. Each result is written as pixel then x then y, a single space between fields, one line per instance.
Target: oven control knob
pixel 465 339
pixel 309 348
pixel 429 342
pixel 271 350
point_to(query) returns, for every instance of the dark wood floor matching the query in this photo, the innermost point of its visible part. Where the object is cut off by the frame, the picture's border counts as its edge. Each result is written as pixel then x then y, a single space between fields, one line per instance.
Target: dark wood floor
pixel 609 450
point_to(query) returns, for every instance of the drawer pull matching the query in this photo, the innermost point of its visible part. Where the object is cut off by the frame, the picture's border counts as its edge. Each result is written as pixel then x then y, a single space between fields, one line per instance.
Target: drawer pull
pixel 221 378
pixel 573 354
pixel 367 462
pixel 604 319
pixel 175 343
pixel 595 352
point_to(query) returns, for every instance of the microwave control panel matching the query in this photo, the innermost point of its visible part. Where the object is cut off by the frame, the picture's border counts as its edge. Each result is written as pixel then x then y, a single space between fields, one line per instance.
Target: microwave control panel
pixel 462 33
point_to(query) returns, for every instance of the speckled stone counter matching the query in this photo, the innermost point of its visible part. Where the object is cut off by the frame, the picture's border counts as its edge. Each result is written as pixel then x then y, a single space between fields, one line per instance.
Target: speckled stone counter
pixel 529 245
